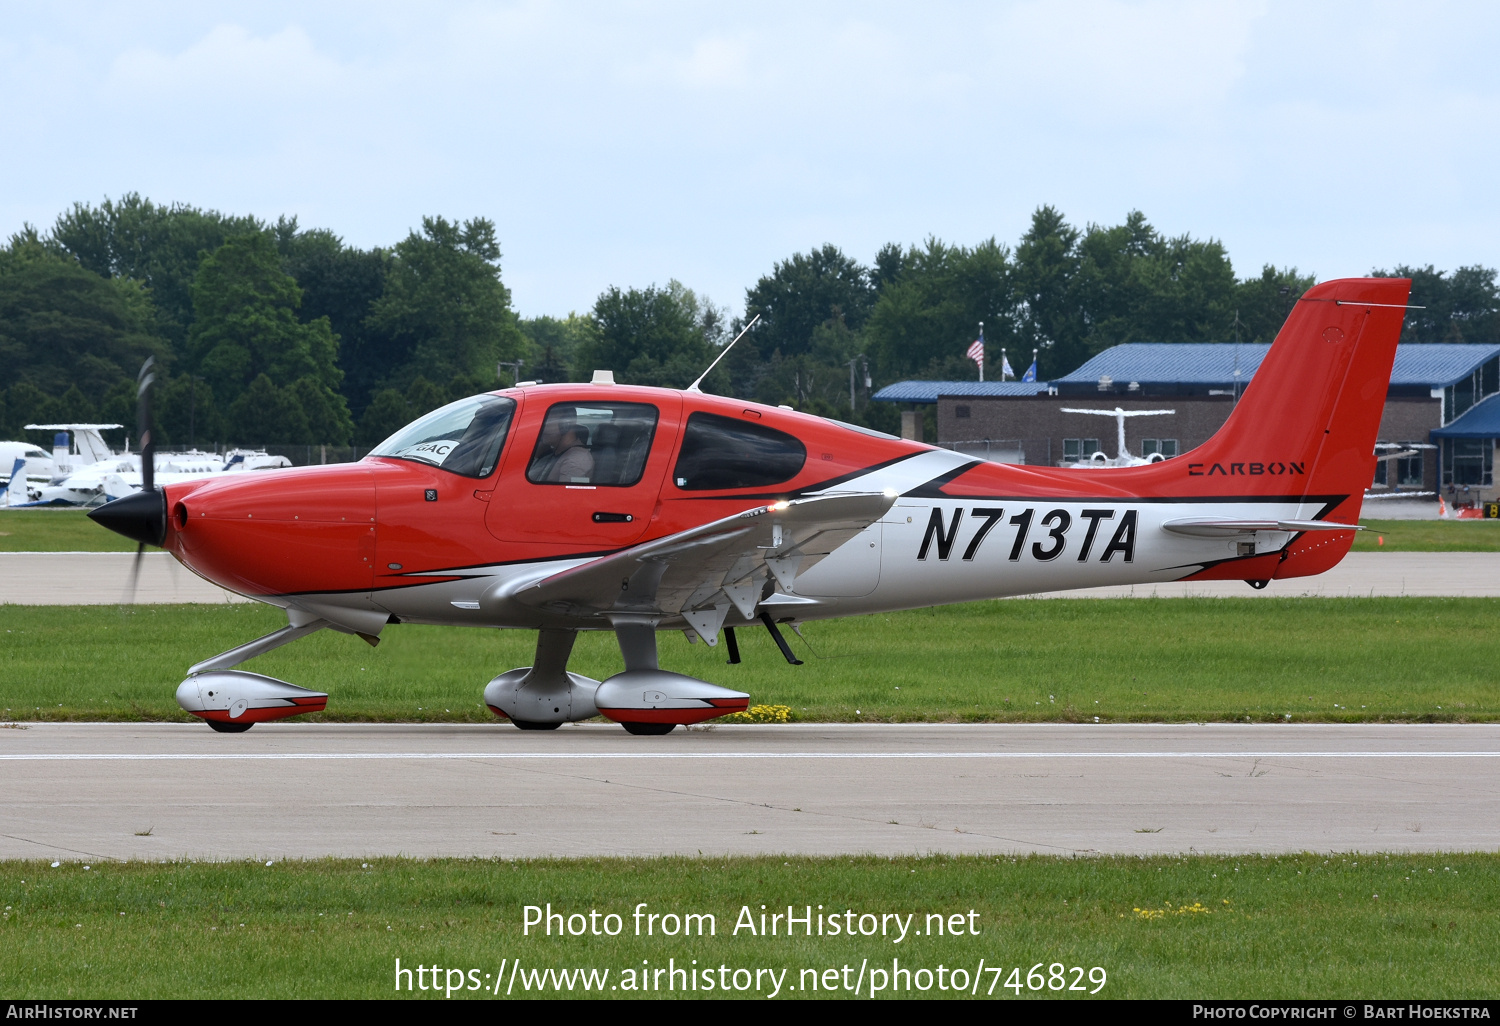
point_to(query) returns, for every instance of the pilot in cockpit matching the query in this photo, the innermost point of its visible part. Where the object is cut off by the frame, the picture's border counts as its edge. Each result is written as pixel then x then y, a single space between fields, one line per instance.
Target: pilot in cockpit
pixel 570 461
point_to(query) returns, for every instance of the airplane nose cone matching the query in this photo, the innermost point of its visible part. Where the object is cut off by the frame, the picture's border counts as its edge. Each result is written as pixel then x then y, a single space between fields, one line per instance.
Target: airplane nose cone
pixel 139 516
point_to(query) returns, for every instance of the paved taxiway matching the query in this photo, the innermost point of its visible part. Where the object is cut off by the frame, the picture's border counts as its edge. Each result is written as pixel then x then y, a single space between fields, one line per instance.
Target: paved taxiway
pixel 92 791
pixel 102 578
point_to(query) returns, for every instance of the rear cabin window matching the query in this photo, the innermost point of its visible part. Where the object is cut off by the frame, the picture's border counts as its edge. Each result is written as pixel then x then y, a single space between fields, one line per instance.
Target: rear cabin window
pixel 593 444
pixel 721 452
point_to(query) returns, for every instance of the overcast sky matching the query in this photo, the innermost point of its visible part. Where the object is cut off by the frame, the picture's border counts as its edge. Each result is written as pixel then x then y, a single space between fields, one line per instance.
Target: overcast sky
pixel 629 143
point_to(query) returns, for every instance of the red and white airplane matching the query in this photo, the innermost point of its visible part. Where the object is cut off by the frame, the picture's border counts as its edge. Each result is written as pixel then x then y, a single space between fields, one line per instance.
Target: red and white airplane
pixel 566 508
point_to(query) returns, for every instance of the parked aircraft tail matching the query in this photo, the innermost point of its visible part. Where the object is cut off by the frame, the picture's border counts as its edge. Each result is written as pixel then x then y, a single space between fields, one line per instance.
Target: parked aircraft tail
pixel 17 473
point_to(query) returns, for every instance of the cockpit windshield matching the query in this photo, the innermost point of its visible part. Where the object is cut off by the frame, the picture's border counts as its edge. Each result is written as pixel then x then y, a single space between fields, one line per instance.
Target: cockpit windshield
pixel 463 437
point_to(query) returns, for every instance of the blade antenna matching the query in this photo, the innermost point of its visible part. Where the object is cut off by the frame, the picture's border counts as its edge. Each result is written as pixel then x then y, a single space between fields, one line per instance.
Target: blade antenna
pixel 722 353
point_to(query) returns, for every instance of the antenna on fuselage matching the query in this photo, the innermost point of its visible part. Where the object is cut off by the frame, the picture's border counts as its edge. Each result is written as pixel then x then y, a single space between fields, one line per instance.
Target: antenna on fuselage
pixel 694 386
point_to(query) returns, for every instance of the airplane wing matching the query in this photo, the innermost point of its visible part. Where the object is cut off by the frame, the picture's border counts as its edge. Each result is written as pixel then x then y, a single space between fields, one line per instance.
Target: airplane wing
pixel 700 573
pixel 1212 527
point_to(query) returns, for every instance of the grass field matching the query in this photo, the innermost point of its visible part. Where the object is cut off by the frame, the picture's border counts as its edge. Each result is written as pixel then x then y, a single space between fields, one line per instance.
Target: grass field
pixel 46 530
pixel 1340 660
pixel 1201 927
pixel 1428 536
pixel 56 530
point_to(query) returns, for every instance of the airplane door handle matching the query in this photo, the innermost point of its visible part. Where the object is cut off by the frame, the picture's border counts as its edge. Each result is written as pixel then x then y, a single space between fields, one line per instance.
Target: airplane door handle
pixel 613 518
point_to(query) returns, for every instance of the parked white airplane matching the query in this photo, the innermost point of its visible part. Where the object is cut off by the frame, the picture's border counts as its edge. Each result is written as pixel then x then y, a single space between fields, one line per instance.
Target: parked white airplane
pixel 1122 454
pixel 88 473
pixel 36 463
pixel 88 446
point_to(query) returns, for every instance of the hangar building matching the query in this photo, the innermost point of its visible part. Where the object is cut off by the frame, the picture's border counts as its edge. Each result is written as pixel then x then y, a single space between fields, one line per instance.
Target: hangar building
pixel 1443 403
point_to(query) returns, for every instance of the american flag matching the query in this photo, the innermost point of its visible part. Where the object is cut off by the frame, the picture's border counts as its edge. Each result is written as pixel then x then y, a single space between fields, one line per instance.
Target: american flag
pixel 976 352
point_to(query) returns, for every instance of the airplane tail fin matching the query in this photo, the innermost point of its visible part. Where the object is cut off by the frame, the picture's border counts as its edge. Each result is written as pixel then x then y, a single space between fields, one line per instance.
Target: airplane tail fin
pixel 1307 424
pixel 17 473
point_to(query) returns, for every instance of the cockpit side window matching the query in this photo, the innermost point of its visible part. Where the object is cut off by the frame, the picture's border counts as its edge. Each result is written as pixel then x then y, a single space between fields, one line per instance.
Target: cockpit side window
pixel 463 437
pixel 601 444
pixel 721 452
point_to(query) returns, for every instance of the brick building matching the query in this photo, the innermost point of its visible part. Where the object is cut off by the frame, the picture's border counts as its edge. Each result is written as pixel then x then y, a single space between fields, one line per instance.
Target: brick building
pixel 1432 409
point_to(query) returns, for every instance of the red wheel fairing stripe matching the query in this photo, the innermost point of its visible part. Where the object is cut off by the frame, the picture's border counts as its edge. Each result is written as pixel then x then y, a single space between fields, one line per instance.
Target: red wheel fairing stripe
pixel 264 715
pixel 676 715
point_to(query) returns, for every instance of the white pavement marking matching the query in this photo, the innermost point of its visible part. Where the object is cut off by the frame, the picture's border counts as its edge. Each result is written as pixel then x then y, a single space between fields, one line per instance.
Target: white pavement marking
pixel 629 756
pixel 101 578
pixel 307 790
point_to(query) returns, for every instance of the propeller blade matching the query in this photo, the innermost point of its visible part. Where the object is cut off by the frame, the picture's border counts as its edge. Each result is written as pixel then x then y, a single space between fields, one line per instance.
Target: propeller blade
pixel 135 575
pixel 143 384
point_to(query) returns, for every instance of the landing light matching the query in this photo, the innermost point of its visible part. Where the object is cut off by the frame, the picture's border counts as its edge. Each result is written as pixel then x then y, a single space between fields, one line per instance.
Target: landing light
pixel 777 507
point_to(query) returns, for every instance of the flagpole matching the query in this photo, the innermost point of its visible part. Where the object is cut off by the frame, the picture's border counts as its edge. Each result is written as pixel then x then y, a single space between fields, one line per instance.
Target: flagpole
pixel 981 350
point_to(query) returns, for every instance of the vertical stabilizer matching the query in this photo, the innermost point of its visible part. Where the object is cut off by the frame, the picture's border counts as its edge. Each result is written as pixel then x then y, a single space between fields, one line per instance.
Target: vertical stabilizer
pixel 1307 424
pixel 17 473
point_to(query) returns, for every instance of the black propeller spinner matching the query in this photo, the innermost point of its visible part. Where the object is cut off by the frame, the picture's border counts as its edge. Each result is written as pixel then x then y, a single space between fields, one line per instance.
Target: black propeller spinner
pixel 141 516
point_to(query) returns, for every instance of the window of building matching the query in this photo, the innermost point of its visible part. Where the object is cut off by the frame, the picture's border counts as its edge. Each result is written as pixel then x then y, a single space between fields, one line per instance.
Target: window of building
pixel 961 412
pixel 1166 446
pixel 1468 461
pixel 1405 472
pixel 594 444
pixel 1409 470
pixel 721 452
pixel 1079 448
pixel 1459 397
pixel 463 437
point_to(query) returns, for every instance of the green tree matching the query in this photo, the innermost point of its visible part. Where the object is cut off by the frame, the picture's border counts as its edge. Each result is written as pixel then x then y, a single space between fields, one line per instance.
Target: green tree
pixel 422 397
pixel 444 308
pixel 246 321
pixel 63 326
pixel 267 415
pixel 1262 304
pixel 804 292
pixel 653 336
pixel 184 410
pixel 932 301
pixel 159 247
pixel 387 413
pixel 1048 314
pixel 1134 285
pixel 554 344
pixel 27 404
pixel 328 419
pixel 342 284
pixel 1459 306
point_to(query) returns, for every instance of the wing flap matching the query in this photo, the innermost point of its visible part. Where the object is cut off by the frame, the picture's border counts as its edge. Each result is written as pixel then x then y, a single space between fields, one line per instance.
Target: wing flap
pixel 717 563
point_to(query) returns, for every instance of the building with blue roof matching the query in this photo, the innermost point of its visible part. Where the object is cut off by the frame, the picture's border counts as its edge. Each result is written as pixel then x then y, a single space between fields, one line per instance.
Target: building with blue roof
pixel 1442 410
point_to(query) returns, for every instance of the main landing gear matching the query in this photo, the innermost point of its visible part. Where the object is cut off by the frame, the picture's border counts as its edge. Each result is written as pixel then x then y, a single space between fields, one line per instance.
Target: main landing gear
pixel 644 699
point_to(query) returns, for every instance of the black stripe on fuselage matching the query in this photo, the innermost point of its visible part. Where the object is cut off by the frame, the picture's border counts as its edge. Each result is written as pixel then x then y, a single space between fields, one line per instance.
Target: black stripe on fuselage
pixel 797 493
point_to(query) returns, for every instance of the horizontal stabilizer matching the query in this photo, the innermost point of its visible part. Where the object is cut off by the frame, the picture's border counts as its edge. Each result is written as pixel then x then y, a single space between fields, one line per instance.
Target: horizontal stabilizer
pixel 1212 527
